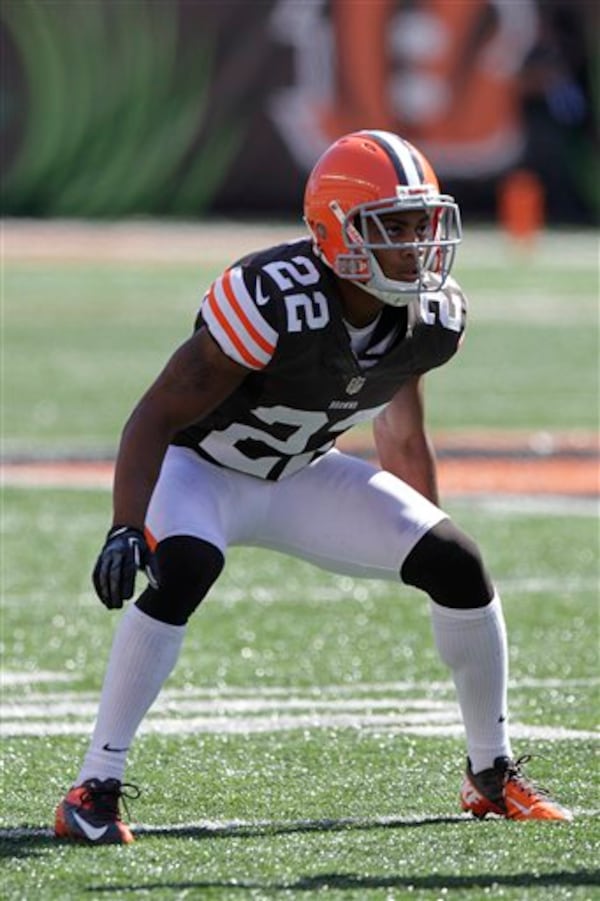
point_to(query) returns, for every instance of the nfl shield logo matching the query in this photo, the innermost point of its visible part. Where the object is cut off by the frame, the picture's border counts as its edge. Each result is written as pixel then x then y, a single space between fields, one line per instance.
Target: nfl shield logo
pixel 355 384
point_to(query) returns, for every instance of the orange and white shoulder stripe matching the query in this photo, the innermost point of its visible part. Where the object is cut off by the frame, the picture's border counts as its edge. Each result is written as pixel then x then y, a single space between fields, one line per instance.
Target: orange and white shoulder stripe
pixel 235 323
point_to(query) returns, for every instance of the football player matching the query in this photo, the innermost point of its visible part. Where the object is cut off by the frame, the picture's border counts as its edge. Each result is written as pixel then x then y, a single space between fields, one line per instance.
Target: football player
pixel 234 444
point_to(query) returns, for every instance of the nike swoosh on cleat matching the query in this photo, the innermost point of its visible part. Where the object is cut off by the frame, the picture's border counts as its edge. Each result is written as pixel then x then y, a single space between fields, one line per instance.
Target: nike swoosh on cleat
pixel 526 811
pixel 107 747
pixel 94 833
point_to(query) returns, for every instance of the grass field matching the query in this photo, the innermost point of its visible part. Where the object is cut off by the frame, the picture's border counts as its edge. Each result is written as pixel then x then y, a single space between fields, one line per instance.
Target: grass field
pixel 308 742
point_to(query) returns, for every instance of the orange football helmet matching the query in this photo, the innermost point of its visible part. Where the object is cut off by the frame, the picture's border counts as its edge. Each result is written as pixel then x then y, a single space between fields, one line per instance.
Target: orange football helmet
pixel 362 177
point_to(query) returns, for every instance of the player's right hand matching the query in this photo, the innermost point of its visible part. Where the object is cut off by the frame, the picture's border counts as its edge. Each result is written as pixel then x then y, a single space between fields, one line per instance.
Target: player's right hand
pixel 125 551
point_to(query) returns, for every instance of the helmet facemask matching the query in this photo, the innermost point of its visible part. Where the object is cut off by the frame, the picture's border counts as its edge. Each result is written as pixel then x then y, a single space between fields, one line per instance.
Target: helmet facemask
pixel 434 252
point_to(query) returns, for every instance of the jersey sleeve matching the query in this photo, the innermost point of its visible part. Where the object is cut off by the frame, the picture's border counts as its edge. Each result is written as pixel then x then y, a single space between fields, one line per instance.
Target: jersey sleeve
pixel 230 310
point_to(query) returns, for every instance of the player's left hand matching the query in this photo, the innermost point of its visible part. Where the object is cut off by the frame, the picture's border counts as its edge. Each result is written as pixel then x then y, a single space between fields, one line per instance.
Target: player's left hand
pixel 125 551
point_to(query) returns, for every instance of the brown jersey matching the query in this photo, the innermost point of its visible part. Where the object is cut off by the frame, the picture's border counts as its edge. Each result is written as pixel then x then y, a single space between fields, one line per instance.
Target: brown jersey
pixel 278 312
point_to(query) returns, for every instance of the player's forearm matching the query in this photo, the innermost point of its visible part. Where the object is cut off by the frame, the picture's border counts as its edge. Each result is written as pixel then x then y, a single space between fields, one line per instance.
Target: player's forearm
pixel 411 460
pixel 419 473
pixel 141 452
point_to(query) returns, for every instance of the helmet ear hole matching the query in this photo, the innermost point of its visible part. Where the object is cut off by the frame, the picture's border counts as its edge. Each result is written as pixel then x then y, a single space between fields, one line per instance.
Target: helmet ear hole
pixel 321 232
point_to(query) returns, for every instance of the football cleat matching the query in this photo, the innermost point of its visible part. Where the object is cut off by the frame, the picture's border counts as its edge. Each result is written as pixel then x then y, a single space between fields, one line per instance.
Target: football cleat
pixel 90 813
pixel 504 790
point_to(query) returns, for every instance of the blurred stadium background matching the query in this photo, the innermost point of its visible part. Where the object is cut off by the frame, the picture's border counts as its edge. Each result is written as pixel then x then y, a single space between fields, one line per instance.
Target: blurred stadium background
pixel 199 108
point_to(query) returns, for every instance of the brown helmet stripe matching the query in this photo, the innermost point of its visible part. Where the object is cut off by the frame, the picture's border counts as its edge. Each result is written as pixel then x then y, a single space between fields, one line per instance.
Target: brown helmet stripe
pixel 402 156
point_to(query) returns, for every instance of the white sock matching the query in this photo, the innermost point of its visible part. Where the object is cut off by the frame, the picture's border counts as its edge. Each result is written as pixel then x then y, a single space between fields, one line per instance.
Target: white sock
pixel 143 654
pixel 472 643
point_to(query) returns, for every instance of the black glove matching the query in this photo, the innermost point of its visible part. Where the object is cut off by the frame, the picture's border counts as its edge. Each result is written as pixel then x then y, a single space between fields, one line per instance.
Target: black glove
pixel 125 551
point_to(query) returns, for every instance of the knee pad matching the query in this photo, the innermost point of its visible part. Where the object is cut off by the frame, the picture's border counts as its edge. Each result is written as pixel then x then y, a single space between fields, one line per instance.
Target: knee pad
pixel 447 564
pixel 187 567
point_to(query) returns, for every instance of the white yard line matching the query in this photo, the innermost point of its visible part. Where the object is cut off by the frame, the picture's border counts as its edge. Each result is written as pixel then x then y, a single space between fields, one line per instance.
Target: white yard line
pixel 256 711
pixel 220 828
pixel 439 725
pixel 530 504
pixel 27 677
pixel 18 678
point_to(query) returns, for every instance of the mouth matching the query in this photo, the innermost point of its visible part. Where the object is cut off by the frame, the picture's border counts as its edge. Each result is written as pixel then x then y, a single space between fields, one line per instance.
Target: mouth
pixel 408 269
pixel 408 275
pixel 401 267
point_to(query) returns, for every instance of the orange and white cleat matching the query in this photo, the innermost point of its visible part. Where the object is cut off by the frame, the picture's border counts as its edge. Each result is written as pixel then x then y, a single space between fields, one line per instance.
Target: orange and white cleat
pixel 90 813
pixel 505 791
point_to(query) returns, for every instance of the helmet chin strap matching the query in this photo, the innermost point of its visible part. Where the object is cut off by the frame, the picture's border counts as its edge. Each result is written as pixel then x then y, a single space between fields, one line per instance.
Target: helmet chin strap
pixel 393 299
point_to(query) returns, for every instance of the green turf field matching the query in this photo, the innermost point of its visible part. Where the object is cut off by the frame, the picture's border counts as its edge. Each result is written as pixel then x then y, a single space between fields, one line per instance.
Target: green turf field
pixel 83 340
pixel 308 743
pixel 309 738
